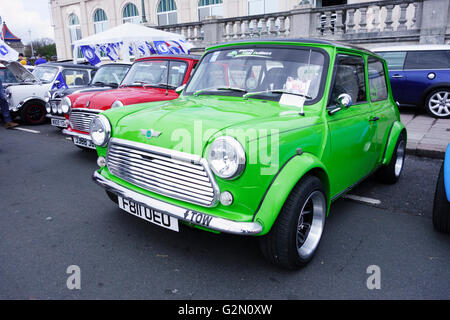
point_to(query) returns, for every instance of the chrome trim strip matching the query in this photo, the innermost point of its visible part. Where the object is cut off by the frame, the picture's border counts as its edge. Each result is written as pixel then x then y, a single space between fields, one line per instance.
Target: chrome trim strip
pixel 174 161
pixel 189 216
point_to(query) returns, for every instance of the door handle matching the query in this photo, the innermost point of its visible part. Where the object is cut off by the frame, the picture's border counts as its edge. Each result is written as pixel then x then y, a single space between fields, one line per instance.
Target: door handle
pixel 373 119
pixel 397 76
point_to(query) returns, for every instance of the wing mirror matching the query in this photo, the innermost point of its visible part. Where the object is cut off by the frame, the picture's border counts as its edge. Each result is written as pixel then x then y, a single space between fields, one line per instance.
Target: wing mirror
pixel 343 101
pixel 180 89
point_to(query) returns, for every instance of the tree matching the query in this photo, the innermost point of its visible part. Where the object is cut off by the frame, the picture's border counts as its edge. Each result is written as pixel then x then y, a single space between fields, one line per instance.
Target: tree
pixel 44 46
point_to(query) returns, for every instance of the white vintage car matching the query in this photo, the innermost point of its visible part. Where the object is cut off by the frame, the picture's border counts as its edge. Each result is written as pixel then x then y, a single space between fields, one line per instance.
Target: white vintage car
pixel 28 98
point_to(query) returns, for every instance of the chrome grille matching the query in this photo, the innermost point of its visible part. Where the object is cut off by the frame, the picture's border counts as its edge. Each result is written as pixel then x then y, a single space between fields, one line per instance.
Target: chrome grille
pixel 80 120
pixel 178 175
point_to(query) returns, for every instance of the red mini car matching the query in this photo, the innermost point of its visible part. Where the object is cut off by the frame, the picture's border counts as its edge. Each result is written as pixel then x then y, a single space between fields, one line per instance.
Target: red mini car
pixel 149 79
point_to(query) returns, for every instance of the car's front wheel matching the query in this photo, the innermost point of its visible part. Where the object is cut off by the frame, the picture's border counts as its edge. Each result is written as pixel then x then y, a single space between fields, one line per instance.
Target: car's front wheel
pixel 296 234
pixel 437 103
pixel 33 113
pixel 441 207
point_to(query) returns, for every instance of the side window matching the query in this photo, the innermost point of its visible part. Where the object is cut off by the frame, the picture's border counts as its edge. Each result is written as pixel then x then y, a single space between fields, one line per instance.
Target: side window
pixel 76 77
pixel 349 78
pixel 436 59
pixel 377 80
pixel 395 60
pixel 176 73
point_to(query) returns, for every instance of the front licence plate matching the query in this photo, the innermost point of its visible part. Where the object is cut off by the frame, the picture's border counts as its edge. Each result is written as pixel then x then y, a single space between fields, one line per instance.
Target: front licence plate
pixel 83 142
pixel 148 214
pixel 59 123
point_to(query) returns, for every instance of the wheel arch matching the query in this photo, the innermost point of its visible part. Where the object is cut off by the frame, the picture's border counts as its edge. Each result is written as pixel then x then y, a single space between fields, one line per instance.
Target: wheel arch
pixel 447 172
pixel 289 176
pixel 397 129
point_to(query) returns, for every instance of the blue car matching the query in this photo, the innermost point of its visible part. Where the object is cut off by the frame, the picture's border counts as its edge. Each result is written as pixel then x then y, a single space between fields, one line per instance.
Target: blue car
pixel 420 76
pixel 441 208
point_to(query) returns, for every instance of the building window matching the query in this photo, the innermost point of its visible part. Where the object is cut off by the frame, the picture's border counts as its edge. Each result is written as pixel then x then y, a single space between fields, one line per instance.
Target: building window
pixel 167 12
pixel 75 31
pixel 262 7
pixel 131 14
pixel 207 8
pixel 100 21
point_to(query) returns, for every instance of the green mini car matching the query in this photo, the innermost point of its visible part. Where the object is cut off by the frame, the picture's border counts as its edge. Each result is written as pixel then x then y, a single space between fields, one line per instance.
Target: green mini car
pixel 264 137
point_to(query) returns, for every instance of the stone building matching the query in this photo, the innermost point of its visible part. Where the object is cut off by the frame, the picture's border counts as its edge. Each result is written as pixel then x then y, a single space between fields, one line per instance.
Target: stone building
pixel 206 22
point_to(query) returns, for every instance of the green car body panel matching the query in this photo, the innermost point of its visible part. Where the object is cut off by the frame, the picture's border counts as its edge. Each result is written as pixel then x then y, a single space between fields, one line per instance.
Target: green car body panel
pixel 340 149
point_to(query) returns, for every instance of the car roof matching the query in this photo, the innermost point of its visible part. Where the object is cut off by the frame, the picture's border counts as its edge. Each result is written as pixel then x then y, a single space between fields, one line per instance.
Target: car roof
pixel 418 47
pixel 336 44
pixel 69 65
pixel 170 56
pixel 115 64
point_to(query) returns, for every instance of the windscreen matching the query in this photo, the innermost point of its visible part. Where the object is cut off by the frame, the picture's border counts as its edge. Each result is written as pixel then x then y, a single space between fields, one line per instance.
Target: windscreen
pixel 110 74
pixel 45 74
pixel 297 70
pixel 156 73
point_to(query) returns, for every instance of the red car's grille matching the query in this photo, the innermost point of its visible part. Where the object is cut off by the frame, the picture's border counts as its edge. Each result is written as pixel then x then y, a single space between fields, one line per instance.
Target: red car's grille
pixel 80 120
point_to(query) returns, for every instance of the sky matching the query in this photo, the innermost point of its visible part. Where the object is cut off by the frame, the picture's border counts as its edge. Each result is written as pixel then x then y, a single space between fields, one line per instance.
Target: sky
pixel 24 15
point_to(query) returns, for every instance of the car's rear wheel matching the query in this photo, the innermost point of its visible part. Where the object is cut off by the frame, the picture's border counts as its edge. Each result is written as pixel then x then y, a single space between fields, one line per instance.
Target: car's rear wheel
pixel 296 234
pixel 391 173
pixel 437 103
pixel 33 113
pixel 441 207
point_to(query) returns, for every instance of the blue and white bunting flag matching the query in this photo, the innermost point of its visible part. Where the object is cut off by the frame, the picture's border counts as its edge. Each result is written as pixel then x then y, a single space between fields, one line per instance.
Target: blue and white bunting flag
pixel 90 54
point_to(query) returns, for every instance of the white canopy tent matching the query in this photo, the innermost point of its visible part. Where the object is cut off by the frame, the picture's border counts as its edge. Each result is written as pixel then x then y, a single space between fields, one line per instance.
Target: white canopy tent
pixel 132 37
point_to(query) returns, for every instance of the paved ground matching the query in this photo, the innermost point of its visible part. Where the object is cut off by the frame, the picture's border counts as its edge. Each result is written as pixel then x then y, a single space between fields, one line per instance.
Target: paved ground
pixel 427 136
pixel 54 216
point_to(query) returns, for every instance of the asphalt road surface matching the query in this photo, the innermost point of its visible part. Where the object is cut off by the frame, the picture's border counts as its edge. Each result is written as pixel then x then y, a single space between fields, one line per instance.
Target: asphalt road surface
pixel 53 216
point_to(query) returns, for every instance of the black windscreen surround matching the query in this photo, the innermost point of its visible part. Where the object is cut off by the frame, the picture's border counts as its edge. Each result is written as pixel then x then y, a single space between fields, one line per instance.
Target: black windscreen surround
pixel 436 59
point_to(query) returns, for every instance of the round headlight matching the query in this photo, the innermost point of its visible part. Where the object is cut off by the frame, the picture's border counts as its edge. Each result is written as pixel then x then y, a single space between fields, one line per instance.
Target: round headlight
pixel 48 107
pixel 100 130
pixel 47 96
pixel 117 104
pixel 226 157
pixel 66 104
pixel 54 108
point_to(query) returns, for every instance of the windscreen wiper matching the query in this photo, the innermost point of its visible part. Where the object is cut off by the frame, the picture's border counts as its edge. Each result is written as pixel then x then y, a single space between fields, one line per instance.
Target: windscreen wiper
pixel 280 91
pixel 165 85
pixel 196 93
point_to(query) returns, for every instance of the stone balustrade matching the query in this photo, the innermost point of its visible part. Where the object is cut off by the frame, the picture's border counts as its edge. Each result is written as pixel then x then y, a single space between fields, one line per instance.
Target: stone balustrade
pixel 366 17
pixel 367 23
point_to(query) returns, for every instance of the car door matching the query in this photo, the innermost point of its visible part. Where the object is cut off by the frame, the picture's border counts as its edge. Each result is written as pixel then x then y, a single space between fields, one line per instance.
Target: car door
pixel 398 77
pixel 382 109
pixel 424 69
pixel 352 150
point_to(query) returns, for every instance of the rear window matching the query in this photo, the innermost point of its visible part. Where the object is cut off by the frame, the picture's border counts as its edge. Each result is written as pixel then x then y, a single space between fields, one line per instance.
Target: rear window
pixel 439 59
pixel 394 59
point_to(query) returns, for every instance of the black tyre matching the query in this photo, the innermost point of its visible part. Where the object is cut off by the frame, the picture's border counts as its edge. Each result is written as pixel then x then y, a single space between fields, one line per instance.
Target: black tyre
pixel 441 207
pixel 33 113
pixel 437 103
pixel 390 173
pixel 113 197
pixel 295 235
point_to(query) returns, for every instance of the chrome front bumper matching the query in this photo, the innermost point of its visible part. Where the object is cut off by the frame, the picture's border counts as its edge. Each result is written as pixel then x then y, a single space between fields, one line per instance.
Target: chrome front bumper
pixel 189 216
pixel 76 134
